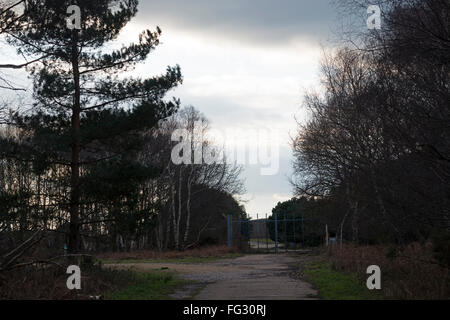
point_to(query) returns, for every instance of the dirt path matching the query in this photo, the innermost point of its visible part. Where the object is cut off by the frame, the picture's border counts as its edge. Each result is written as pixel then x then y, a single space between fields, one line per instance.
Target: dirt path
pixel 251 277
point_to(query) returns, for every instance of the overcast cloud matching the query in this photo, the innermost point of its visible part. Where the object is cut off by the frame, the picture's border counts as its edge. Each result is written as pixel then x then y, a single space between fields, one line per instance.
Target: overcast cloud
pixel 270 22
pixel 246 64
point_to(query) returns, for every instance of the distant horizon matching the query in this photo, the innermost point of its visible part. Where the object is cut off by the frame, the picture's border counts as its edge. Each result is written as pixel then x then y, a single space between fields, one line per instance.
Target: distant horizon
pixel 235 77
pixel 238 79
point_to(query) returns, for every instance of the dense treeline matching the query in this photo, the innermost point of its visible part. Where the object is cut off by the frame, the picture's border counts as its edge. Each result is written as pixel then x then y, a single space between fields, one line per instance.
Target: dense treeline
pixel 302 220
pixel 377 143
pixel 90 163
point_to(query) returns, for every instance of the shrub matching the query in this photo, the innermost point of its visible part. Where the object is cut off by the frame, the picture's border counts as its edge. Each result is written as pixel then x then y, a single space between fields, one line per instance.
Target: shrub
pixel 411 272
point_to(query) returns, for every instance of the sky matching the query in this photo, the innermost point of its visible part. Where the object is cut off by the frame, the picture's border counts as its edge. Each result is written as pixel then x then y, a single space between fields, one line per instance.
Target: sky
pixel 246 66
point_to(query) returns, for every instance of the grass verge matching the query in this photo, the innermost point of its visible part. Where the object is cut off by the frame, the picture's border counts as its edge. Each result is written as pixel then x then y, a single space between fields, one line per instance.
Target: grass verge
pixel 407 272
pixel 334 285
pixel 263 241
pixel 148 286
pixel 172 260
pixel 196 255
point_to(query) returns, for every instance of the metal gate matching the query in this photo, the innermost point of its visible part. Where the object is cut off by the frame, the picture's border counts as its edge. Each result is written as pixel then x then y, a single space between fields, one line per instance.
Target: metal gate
pixel 269 234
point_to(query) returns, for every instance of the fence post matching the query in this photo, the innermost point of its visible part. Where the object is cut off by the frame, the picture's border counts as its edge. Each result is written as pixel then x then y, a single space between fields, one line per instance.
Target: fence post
pixel 257 229
pixel 276 232
pixel 267 234
pixel 285 234
pixel 293 222
pixel 230 229
pixel 240 242
pixel 303 229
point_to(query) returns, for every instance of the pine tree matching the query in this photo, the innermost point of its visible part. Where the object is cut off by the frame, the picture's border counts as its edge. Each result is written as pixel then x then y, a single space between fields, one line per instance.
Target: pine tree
pixel 87 118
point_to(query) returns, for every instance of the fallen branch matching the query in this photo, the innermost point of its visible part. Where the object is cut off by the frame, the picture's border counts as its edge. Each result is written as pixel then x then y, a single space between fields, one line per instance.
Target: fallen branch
pixel 26 264
pixel 15 254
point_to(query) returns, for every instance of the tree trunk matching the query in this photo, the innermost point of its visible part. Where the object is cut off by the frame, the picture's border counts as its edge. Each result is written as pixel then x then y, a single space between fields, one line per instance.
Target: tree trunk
pixel 188 207
pixel 342 227
pixel 167 238
pixel 159 234
pixel 355 223
pixel 180 208
pixel 75 164
pixel 174 213
pixel 380 201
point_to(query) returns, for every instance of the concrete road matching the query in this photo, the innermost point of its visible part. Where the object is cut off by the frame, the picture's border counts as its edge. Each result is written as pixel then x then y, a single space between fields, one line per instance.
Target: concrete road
pixel 251 277
pixel 260 277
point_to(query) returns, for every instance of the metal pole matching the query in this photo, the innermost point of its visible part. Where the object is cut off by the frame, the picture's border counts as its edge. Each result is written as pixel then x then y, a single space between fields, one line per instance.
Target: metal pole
pixel 230 229
pixel 240 233
pixel 276 232
pixel 285 234
pixel 267 236
pixel 257 230
pixel 303 229
pixel 295 244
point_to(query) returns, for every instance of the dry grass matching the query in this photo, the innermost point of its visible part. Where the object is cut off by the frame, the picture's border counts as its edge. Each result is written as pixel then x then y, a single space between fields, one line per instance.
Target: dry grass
pixel 407 273
pixel 203 252
pixel 50 283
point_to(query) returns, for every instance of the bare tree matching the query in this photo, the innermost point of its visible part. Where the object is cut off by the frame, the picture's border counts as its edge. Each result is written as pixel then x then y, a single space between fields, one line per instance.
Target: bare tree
pixel 379 133
pixel 188 182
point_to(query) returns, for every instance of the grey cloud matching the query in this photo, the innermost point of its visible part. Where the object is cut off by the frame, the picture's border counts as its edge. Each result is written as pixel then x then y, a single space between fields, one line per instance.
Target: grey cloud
pixel 279 183
pixel 222 111
pixel 266 21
